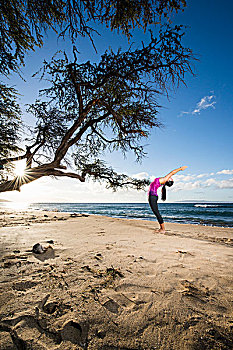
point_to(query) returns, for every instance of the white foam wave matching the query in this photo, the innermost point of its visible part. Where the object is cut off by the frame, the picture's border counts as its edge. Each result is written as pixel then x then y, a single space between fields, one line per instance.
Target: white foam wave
pixel 206 205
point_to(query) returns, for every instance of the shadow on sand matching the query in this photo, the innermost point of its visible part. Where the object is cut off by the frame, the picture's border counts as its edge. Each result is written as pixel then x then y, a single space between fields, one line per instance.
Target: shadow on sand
pixel 48 254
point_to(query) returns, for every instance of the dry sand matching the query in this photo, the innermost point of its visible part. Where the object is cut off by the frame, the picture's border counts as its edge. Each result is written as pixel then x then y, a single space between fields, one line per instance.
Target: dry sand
pixel 107 283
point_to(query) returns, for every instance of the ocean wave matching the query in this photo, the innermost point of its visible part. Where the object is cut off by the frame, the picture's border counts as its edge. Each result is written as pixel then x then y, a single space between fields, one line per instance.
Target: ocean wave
pixel 207 205
pixel 213 214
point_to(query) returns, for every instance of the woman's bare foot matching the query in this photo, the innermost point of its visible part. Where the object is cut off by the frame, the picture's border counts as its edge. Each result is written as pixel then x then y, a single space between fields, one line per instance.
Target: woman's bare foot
pixel 161 230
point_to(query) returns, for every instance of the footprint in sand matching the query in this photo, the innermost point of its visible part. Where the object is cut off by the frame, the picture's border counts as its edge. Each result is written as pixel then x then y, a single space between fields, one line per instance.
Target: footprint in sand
pixel 50 308
pixel 124 301
pixel 132 302
pixel 191 290
pixel 112 306
pixel 72 331
pixel 76 333
pixel 24 285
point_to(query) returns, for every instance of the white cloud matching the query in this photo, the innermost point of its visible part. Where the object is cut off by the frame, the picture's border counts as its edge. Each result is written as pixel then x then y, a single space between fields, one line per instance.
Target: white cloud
pixel 184 177
pixel 210 182
pixel 219 184
pixel 190 177
pixel 225 183
pixel 203 175
pixel 187 186
pixel 140 176
pixel 191 182
pixel 225 172
pixel 204 103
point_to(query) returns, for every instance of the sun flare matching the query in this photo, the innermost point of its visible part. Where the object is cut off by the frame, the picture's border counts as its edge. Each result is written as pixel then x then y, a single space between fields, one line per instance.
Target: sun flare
pixel 20 168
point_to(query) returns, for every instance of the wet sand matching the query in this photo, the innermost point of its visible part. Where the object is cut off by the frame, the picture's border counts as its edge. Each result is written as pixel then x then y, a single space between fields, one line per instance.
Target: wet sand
pixel 106 283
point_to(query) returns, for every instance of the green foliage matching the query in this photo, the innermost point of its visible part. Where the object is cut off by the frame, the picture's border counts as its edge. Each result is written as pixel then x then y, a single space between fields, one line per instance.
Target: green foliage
pixel 9 121
pixel 10 127
pixel 22 26
pixel 125 15
pixel 98 171
pixel 24 22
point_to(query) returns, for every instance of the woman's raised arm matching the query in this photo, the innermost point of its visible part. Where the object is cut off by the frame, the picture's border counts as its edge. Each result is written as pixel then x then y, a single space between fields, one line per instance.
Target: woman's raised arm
pixel 166 178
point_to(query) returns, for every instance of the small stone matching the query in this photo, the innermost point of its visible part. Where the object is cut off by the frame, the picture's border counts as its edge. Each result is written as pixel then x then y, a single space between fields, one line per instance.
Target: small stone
pixel 50 241
pixel 38 249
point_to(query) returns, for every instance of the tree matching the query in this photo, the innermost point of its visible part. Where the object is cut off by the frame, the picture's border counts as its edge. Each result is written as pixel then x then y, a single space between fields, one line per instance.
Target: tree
pixel 24 22
pixel 93 108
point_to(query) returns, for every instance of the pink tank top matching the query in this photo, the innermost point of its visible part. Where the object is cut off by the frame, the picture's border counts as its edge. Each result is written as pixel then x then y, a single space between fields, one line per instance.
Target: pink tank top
pixel 154 187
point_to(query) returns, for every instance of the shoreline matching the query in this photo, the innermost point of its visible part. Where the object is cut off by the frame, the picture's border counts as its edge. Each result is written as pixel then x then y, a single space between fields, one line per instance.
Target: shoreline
pixel 18 210
pixel 114 284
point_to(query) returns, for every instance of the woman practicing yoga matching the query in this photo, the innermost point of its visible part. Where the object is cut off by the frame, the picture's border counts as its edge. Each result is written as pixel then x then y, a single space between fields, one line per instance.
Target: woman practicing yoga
pixel 153 196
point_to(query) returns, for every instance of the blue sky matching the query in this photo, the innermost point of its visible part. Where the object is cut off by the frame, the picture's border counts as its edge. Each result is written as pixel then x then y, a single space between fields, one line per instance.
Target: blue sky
pixel 197 119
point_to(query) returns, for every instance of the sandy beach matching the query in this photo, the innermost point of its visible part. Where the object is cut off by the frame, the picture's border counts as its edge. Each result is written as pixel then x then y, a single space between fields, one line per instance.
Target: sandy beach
pixel 106 283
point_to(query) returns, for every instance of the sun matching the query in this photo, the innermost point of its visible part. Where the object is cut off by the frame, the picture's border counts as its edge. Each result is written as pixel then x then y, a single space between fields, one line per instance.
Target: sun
pixel 20 168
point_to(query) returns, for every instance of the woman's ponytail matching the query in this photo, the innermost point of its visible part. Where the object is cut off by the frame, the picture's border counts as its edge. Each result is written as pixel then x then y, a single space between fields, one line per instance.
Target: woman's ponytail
pixel 169 184
pixel 163 193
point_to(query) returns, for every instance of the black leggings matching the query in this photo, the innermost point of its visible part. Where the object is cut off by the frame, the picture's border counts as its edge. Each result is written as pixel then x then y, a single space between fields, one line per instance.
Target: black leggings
pixel 154 206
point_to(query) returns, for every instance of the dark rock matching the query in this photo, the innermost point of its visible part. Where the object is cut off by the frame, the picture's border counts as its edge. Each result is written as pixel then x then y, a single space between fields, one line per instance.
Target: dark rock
pixel 38 249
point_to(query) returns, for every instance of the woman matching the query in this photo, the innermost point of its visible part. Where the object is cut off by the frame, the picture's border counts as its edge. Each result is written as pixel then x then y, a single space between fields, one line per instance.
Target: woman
pixel 153 196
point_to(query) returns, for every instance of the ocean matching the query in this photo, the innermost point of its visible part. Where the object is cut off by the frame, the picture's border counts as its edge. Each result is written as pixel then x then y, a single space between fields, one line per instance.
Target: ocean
pixel 212 214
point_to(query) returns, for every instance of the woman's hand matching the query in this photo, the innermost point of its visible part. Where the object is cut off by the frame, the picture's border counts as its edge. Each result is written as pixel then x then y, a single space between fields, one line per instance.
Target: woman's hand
pixel 183 167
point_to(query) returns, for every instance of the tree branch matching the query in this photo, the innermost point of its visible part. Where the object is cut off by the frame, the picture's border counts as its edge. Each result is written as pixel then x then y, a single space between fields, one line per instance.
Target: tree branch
pixel 56 172
pixel 66 143
pixel 104 139
pixel 85 127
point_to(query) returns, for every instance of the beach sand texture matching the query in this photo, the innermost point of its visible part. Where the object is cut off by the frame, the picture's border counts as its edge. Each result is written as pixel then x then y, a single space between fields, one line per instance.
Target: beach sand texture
pixel 107 284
